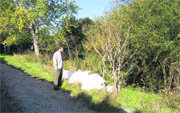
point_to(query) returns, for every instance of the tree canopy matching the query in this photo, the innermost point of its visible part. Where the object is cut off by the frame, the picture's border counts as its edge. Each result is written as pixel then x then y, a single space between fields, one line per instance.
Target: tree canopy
pixel 34 15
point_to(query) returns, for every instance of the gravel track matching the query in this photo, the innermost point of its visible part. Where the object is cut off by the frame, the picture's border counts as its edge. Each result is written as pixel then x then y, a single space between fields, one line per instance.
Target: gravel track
pixel 23 93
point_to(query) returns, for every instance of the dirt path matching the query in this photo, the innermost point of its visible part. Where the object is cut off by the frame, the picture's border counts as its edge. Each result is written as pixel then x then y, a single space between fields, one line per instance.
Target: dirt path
pixel 22 93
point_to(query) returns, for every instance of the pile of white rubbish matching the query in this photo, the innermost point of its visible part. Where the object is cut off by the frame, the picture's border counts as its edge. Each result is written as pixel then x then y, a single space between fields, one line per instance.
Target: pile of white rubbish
pixel 88 81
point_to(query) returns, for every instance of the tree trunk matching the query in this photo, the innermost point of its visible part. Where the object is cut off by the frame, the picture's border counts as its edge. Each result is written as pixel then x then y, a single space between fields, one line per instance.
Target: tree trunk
pixel 35 37
pixel 36 46
pixel 69 52
pixel 115 85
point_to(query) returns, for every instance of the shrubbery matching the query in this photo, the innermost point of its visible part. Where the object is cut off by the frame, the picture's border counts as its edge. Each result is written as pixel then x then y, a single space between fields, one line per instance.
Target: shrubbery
pixel 153 46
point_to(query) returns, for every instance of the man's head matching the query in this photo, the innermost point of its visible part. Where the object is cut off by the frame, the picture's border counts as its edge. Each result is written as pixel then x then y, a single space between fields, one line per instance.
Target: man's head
pixel 60 48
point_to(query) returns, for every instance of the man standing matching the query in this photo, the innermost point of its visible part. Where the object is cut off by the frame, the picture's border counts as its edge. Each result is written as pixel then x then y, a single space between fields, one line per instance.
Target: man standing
pixel 58 65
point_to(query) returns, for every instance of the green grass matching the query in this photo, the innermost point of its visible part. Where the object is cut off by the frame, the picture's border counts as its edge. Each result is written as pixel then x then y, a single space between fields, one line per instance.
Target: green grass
pixel 129 99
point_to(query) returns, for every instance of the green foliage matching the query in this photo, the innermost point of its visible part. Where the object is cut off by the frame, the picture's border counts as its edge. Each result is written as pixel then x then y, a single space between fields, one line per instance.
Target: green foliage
pixel 154 39
pixel 155 35
pixel 72 34
pixel 109 38
pixel 93 62
pixel 34 17
pixel 6 10
pixel 46 41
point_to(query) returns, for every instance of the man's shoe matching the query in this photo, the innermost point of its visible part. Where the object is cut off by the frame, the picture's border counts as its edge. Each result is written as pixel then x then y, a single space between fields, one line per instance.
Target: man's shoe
pixel 56 88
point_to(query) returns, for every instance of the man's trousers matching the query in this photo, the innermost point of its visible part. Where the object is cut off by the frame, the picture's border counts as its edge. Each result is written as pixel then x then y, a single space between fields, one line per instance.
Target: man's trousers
pixel 58 78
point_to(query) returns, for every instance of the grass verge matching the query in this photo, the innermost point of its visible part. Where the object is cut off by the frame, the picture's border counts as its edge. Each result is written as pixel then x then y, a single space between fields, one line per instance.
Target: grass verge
pixel 129 99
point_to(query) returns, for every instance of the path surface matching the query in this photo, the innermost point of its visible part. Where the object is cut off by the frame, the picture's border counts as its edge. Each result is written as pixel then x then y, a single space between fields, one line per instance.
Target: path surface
pixel 22 93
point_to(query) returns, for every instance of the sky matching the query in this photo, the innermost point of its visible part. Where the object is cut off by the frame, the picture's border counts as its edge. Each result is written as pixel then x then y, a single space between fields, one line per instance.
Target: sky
pixel 93 8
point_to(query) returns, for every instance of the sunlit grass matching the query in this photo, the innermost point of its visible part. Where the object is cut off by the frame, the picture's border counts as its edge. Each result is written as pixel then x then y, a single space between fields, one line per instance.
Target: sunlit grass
pixel 130 99
pixel 5 56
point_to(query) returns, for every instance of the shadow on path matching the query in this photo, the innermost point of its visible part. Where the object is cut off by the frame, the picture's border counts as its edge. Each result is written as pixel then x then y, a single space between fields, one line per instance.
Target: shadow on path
pixel 103 106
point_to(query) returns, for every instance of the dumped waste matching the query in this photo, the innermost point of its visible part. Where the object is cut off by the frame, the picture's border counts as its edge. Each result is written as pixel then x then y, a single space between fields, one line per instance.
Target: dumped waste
pixel 88 81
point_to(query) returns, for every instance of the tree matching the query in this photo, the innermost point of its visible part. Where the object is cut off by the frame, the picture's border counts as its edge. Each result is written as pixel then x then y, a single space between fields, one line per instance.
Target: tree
pixel 47 41
pixel 155 34
pixel 72 33
pixel 153 29
pixel 109 38
pixel 37 14
pixel 6 10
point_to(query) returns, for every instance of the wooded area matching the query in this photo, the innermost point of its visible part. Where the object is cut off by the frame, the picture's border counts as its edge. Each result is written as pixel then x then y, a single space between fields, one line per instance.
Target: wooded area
pixel 135 43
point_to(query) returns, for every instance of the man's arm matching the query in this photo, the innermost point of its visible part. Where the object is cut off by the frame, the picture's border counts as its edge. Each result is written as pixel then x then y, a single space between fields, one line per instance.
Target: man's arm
pixel 55 61
pixel 60 61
